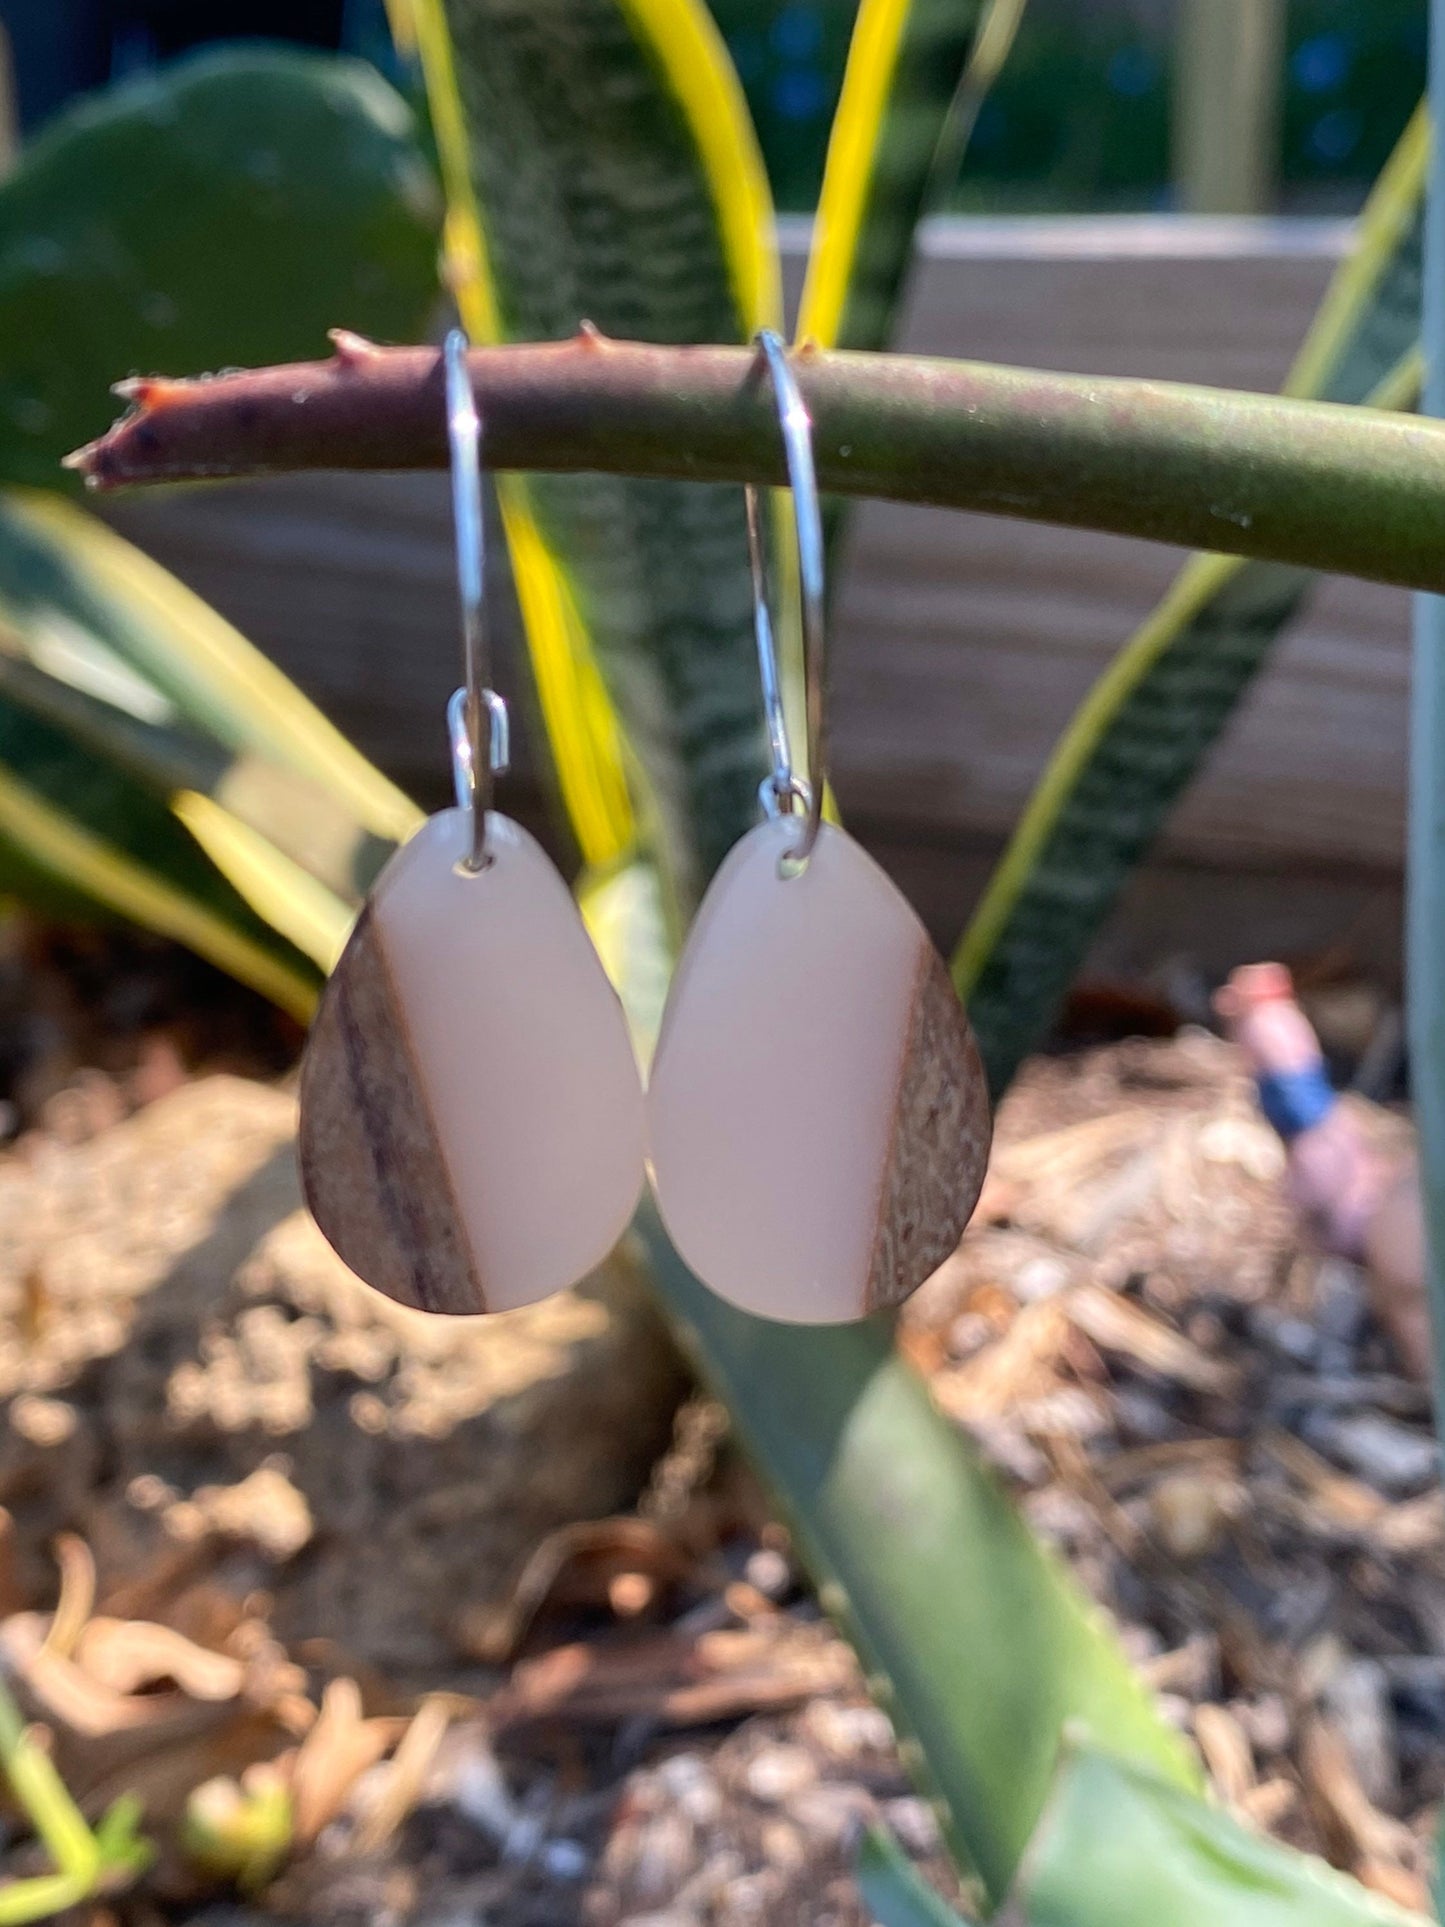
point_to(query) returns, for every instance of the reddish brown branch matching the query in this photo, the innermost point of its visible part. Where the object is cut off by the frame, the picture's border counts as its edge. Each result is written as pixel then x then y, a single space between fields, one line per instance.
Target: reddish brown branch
pixel 1352 490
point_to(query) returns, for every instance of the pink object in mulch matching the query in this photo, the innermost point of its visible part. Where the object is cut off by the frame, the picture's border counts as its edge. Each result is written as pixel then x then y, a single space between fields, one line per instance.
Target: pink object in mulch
pixel 1357 1203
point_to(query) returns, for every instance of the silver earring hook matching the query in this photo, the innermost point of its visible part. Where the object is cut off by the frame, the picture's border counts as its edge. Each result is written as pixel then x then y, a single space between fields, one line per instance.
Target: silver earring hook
pixel 784 792
pixel 474 766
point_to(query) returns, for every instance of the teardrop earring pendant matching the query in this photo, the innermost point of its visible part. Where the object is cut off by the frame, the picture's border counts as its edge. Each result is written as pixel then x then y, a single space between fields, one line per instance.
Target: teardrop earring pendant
pixel 818 1118
pixel 471 1113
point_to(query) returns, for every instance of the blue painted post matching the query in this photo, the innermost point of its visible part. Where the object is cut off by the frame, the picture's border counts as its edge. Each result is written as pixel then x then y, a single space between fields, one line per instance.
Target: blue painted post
pixel 1425 947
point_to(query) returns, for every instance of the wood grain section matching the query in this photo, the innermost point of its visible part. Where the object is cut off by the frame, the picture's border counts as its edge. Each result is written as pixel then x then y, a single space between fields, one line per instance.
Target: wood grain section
pixel 942 1128
pixel 372 1169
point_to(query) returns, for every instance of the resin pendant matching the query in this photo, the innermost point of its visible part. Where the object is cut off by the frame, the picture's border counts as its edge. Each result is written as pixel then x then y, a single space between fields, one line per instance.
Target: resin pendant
pixel 471 1114
pixel 817 1113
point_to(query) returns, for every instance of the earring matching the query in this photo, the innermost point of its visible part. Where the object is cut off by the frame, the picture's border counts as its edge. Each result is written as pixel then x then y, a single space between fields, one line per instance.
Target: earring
pixel 471 1113
pixel 818 1118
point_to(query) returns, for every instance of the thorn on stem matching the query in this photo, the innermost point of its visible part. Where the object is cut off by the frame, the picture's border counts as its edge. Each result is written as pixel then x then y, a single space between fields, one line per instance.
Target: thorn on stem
pixel 351 348
pixel 590 336
pixel 146 392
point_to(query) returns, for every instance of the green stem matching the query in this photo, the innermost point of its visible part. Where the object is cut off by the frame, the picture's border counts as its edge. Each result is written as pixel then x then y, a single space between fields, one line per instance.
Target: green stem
pixel 1351 490
pixel 46 1800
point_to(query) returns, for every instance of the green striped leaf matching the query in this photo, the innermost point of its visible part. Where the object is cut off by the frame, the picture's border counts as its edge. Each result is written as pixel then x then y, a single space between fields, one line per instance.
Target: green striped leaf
pixel 152 763
pixel 600 171
pixel 1150 721
pixel 1119 1848
pixel 114 792
pixel 74 837
pixel 974 1640
pixel 917 74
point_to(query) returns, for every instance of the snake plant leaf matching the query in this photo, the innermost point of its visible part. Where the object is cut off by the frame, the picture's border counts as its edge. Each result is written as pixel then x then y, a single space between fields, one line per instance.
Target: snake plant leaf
pixel 74 836
pixel 192 698
pixel 1120 1848
pixel 155 764
pixel 227 210
pixel 600 169
pixel 973 1639
pixel 151 762
pixel 1152 718
pixel 893 1890
pixel 917 73
pixel 878 1485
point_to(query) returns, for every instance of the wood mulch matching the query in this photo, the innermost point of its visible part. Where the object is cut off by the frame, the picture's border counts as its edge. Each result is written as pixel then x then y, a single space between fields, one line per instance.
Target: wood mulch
pixel 653 1723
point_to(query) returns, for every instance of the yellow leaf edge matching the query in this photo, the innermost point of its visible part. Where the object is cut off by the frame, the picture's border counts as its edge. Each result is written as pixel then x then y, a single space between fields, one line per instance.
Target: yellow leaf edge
pixel 583 730
pixel 216 657
pixel 81 860
pixel 1383 222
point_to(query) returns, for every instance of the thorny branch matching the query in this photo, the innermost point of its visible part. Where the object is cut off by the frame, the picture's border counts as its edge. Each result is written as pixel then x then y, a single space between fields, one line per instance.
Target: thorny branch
pixel 1352 490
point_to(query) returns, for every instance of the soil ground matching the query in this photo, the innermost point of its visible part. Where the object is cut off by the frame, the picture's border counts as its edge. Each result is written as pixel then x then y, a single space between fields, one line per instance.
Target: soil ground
pixel 261 1532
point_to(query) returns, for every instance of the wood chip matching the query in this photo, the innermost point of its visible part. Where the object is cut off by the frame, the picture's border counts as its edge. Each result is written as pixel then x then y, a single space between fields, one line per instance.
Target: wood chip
pixel 676 1679
pixel 1191 1512
pixel 1228 1755
pixel 1062 1158
pixel 1119 1325
pixel 1362 1834
pixel 1344 1502
pixel 1191 1669
pixel 1269 1803
pixel 406 1774
pixel 1020 1366
pixel 1218 1458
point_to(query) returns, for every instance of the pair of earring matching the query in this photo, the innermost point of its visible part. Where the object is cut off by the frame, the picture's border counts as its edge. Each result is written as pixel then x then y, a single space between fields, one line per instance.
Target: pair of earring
pixel 474 1131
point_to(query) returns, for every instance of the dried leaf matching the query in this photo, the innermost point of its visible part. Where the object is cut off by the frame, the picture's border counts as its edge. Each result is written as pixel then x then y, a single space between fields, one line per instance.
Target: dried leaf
pixel 128 1655
pixel 77 1594
pixel 340 1747
pixel 1021 1365
pixel 407 1773
pixel 577 1566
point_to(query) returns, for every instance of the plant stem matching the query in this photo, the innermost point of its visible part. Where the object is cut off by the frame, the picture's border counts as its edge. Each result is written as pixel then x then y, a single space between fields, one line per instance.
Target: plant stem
pixel 1351 490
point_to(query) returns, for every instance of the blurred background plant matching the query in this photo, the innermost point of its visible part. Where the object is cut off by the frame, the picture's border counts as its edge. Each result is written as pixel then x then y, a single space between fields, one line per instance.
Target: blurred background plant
pixel 1080 120
pixel 231 206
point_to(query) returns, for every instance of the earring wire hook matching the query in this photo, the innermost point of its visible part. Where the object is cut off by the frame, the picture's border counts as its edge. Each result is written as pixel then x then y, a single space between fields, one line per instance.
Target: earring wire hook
pixel 473 770
pixel 783 791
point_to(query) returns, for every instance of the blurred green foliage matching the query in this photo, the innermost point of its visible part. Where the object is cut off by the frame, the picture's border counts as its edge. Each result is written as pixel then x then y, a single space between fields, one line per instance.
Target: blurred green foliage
pixel 1080 119
pixel 229 208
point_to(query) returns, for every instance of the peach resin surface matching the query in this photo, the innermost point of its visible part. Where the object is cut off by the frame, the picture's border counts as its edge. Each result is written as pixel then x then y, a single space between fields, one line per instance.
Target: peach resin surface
pixel 817 1117
pixel 472 1117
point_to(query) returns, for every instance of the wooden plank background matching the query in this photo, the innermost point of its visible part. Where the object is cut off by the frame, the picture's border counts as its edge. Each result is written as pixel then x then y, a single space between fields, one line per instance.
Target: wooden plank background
pixel 962 643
